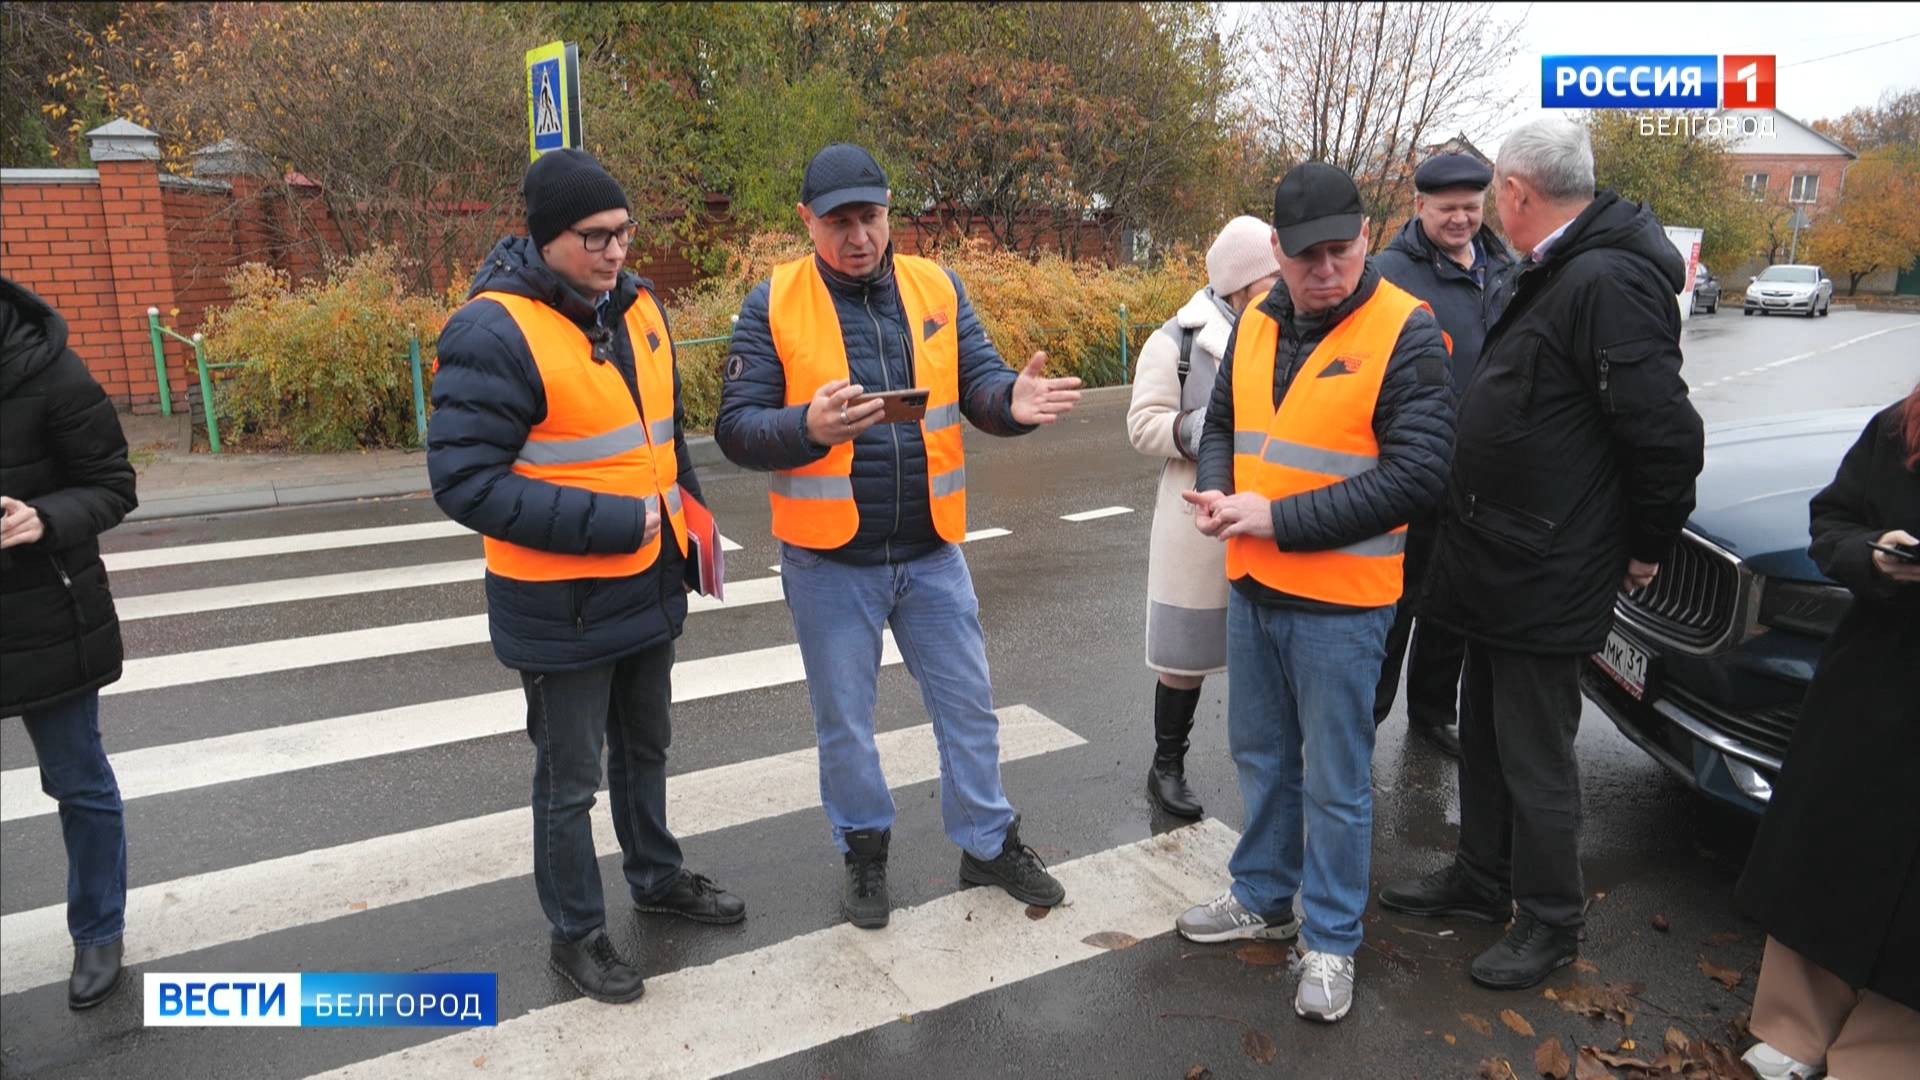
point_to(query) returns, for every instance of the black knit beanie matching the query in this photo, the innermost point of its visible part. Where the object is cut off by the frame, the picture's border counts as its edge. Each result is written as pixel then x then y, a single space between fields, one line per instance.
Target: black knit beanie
pixel 564 186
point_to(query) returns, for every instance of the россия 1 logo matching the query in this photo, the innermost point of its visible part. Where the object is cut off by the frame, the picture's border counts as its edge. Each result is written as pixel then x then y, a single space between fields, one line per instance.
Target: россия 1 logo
pixel 1656 82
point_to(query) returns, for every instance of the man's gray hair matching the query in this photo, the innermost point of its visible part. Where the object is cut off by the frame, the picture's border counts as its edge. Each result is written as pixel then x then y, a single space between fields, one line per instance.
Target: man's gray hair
pixel 1553 155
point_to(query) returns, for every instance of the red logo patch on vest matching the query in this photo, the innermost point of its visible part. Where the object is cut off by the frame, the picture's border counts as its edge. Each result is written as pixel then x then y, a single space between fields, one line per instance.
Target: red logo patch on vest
pixel 935 323
pixel 1341 365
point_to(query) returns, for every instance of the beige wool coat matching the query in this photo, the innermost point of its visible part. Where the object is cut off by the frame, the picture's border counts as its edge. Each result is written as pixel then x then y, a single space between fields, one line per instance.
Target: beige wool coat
pixel 1186 572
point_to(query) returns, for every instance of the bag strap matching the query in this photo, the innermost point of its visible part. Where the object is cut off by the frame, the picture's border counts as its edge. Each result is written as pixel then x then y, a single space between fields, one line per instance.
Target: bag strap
pixel 1187 334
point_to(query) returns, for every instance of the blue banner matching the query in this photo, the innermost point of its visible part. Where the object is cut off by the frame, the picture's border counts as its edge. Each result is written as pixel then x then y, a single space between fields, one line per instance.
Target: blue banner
pixel 1629 82
pixel 362 999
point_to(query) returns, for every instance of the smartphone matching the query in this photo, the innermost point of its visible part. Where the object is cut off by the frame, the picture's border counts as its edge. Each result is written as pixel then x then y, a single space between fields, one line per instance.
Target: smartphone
pixel 902 406
pixel 1904 554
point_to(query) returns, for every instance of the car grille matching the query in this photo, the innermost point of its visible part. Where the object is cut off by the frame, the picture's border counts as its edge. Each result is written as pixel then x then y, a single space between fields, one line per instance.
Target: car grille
pixel 1693 599
pixel 1768 730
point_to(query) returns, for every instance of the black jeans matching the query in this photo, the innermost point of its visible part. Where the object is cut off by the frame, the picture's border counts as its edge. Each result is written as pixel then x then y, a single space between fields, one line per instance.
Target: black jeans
pixel 1520 783
pixel 1433 667
pixel 570 714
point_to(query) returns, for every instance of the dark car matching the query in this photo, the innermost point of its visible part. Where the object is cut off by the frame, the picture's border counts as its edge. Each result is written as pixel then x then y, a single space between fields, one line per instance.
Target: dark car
pixel 1706 289
pixel 1706 668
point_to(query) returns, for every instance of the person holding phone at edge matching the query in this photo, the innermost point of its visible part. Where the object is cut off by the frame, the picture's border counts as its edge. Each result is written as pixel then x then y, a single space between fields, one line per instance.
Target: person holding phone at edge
pixel 870 515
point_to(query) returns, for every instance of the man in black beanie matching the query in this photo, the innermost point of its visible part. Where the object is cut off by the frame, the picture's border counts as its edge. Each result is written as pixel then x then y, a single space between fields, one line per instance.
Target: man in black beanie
pixel 556 435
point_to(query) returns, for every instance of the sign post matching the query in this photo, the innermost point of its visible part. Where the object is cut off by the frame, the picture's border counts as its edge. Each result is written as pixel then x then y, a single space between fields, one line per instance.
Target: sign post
pixel 553 98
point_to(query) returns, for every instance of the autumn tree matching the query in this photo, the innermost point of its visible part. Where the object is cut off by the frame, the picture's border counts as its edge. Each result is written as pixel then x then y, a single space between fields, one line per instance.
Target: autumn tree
pixel 1895 120
pixel 1875 225
pixel 1686 179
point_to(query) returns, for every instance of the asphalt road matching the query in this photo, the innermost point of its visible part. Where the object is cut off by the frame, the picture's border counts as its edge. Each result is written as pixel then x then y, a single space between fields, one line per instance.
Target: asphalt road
pixel 323 762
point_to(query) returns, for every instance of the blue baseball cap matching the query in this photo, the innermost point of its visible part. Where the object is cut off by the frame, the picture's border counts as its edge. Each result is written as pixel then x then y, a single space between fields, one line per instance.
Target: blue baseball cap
pixel 841 175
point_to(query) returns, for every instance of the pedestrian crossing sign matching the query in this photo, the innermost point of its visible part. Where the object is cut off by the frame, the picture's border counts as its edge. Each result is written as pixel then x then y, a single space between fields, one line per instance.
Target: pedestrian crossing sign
pixel 553 97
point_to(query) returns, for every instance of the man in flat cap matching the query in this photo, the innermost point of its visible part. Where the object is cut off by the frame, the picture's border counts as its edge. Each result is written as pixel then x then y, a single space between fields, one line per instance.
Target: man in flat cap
pixel 1446 256
pixel 1330 428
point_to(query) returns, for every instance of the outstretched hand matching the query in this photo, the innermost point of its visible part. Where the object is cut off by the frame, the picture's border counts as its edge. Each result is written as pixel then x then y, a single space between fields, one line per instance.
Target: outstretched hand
pixel 1040 400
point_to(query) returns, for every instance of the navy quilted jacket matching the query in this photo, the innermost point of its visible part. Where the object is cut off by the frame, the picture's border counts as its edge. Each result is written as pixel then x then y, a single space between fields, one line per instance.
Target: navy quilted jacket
pixel 758 430
pixel 487 396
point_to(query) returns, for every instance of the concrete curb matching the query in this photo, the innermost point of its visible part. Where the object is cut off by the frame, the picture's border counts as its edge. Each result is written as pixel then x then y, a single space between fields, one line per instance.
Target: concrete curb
pixel 343 487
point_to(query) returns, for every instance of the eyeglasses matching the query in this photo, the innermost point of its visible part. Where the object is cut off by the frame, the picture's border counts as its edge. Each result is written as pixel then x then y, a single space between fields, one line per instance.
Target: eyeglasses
pixel 598 239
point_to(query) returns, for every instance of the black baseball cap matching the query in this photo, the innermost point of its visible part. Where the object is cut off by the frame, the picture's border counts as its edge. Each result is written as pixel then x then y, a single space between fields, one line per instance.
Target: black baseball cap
pixel 1316 202
pixel 840 175
pixel 1444 172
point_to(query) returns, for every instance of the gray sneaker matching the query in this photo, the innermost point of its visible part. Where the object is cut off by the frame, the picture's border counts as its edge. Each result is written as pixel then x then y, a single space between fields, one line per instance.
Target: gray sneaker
pixel 1224 919
pixel 1326 987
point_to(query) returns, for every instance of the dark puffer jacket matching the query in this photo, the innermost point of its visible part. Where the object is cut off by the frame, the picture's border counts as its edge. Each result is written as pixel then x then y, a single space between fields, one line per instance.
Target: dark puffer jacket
pixel 63 453
pixel 487 396
pixel 757 429
pixel 1412 422
pixel 1465 307
pixel 1577 447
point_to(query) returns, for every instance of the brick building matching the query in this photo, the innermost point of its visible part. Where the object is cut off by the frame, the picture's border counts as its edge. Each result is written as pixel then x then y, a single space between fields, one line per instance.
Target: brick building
pixel 1793 165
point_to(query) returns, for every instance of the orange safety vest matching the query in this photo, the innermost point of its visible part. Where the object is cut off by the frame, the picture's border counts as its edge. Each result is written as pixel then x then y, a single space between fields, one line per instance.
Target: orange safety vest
pixel 813 506
pixel 593 437
pixel 1321 434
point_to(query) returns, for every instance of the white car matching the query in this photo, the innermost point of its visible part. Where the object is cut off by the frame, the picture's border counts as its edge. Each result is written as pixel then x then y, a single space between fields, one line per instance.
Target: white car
pixel 1801 289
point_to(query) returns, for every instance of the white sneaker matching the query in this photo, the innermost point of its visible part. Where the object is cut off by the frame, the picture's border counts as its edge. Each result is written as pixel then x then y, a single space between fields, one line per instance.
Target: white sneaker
pixel 1223 919
pixel 1326 987
pixel 1770 1064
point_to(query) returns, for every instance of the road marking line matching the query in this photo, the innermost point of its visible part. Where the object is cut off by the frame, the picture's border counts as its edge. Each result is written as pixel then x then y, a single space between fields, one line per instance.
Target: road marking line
pixel 1093 515
pixel 290 654
pixel 289 590
pixel 204 910
pixel 247 755
pixel 810 990
pixel 727 544
pixel 282 545
pixel 984 534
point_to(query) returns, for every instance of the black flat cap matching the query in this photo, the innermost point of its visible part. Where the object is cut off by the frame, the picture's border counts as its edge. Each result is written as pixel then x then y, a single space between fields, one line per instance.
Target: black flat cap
pixel 840 175
pixel 1316 202
pixel 1446 171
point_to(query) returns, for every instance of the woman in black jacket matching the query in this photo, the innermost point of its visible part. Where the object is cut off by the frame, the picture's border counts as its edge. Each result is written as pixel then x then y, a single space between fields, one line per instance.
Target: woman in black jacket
pixel 1834 877
pixel 64 479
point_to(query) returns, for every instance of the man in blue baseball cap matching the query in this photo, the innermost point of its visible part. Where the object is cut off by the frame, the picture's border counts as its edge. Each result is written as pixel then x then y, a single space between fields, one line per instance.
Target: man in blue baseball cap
pixel 869 503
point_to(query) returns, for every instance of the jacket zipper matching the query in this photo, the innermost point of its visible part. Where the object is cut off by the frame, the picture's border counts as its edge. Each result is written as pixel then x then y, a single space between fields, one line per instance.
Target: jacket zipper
pixel 1474 503
pixel 579 609
pixel 79 618
pixel 886 376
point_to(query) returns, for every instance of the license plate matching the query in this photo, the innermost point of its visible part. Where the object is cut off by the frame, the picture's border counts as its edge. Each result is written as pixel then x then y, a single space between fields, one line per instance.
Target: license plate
pixel 1626 663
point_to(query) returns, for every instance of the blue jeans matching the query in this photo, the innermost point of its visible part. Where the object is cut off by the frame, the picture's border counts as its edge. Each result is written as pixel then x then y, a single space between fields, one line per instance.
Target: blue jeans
pixel 1300 718
pixel 625 705
pixel 75 773
pixel 839 612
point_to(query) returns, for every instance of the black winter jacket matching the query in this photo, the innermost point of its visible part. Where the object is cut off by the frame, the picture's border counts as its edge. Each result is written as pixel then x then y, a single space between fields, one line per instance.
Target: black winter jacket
pixel 1412 421
pixel 757 429
pixel 487 396
pixel 1466 308
pixel 1577 445
pixel 63 453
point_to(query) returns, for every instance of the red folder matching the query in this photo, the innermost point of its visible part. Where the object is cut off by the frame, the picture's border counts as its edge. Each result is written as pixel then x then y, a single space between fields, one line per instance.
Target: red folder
pixel 706 566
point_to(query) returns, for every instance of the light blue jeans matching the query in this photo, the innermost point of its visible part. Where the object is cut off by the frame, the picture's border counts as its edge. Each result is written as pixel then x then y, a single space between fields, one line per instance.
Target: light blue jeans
pixel 839 612
pixel 1300 723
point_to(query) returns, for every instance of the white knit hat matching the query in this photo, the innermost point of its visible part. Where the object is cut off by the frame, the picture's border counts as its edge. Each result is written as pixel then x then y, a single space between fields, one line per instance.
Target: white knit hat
pixel 1241 255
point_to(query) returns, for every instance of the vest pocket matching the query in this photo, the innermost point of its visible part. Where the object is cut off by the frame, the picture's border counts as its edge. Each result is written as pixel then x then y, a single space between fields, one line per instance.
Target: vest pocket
pixel 1521 528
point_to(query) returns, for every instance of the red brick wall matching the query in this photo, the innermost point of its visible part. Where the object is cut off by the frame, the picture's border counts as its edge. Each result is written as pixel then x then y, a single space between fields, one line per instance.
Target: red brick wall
pixel 1782 168
pixel 52 241
pixel 203 241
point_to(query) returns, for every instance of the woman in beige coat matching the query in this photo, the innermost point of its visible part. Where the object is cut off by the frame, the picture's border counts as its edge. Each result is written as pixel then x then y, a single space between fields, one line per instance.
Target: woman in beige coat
pixel 1186 572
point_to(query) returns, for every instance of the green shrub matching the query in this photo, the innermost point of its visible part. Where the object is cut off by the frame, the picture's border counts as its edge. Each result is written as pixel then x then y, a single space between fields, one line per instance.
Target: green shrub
pixel 326 361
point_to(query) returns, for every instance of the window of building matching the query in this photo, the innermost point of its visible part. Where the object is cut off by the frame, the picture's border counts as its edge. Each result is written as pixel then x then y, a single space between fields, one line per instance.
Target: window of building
pixel 1806 187
pixel 1756 184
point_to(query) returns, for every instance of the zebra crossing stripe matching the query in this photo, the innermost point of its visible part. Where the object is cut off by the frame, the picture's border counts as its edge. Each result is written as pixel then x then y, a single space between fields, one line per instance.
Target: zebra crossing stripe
pixel 187 914
pixel 928 957
pixel 293 544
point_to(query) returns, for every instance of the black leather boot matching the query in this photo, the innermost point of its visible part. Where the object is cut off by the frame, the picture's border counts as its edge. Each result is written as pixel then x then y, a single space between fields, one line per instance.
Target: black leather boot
pixel 96 974
pixel 1172 723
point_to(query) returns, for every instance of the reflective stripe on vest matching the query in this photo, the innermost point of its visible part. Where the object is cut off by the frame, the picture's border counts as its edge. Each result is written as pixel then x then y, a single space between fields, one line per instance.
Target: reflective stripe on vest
pixel 593 437
pixel 813 506
pixel 1321 434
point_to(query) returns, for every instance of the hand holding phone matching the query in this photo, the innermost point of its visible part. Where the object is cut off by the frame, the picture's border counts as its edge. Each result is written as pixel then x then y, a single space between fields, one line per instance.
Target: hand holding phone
pixel 898 406
pixel 1896 555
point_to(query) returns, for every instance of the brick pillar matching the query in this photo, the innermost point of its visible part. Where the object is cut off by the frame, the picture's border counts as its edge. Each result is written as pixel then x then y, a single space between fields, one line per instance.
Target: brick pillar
pixel 245 173
pixel 128 157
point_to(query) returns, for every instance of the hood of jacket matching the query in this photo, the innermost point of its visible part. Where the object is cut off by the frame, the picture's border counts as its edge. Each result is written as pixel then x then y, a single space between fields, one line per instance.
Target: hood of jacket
pixel 32 335
pixel 514 266
pixel 1612 222
pixel 1211 317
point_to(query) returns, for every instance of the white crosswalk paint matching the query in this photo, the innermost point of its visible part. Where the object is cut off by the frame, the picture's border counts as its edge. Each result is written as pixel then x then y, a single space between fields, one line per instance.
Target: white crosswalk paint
pixel 290 590
pixel 836 982
pixel 984 534
pixel 1094 515
pixel 158 770
pixel 283 545
pixel 204 910
pixel 289 654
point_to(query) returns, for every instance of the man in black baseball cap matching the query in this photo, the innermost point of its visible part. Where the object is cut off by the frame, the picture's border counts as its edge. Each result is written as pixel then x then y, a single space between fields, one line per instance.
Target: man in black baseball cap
pixel 1329 428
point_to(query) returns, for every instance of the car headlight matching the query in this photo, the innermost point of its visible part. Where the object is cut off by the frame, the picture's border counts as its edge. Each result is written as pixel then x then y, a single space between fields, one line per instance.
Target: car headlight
pixel 1805 607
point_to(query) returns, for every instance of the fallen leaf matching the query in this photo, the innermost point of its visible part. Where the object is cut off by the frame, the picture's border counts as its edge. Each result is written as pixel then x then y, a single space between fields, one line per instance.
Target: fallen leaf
pixel 1264 954
pixel 1618 1061
pixel 1036 912
pixel 1450 1040
pixel 1549 994
pixel 1258 1046
pixel 906 1018
pixel 1551 1059
pixel 1726 977
pixel 1613 1001
pixel 480 1062
pixel 1588 1067
pixel 357 905
pixel 1585 967
pixel 1199 1072
pixel 1111 939
pixel 1677 1041
pixel 969 916
pixel 1496 1069
pixel 1721 941
pixel 1628 1045
pixel 1477 1024
pixel 1516 1023
pixel 1661 924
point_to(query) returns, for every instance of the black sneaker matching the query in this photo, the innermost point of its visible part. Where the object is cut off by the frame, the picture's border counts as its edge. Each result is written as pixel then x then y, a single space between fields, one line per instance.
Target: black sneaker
pixel 1529 953
pixel 595 969
pixel 865 902
pixel 1444 737
pixel 1017 869
pixel 695 896
pixel 1446 891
